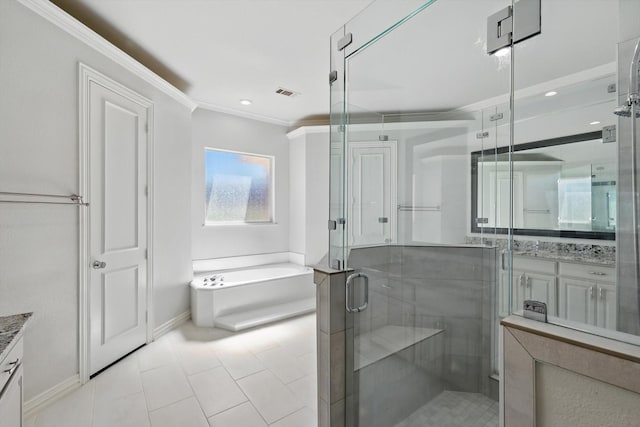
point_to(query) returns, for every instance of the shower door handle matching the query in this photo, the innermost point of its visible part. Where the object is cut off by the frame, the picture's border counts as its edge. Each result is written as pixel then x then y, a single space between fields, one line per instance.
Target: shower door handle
pixel 349 293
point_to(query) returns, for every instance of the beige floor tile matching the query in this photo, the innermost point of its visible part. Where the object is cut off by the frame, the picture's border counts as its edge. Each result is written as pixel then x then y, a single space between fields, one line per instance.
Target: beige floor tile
pixel 269 395
pixel 286 367
pixel 239 361
pixel 165 385
pixel 73 410
pixel 216 391
pixel 305 391
pixel 119 380
pixel 194 359
pixel 186 413
pixel 305 417
pixel 244 415
pixel 126 411
pixel 157 354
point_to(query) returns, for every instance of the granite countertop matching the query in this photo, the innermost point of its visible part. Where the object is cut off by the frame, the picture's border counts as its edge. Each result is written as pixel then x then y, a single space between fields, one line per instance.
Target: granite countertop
pixel 11 328
pixel 604 261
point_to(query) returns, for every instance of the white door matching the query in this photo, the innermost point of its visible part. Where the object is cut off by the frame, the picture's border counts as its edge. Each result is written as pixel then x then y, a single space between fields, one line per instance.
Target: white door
pixel 373 193
pixel 118 224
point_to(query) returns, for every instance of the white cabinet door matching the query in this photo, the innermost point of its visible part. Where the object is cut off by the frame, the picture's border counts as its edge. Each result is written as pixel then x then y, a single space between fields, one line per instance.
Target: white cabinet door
pixel 576 300
pixel 373 208
pixel 606 306
pixel 518 291
pixel 540 287
pixel 11 410
pixel 503 294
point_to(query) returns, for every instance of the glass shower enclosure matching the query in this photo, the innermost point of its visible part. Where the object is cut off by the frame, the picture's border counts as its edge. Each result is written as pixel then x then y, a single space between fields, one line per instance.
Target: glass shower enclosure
pixel 464 183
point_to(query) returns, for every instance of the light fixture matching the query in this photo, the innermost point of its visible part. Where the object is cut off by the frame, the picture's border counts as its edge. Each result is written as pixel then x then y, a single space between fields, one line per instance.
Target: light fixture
pixel 246 102
pixel 595 123
pixel 502 52
pixel 551 93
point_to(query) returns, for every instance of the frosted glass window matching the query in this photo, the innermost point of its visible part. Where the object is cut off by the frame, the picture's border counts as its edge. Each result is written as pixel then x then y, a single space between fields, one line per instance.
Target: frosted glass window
pixel 238 187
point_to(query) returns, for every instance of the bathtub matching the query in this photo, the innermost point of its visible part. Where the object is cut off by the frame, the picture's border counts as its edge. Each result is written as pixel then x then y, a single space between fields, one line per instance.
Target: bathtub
pixel 244 298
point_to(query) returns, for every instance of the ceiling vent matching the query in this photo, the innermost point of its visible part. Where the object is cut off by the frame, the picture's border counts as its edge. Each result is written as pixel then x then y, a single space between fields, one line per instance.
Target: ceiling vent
pixel 287 92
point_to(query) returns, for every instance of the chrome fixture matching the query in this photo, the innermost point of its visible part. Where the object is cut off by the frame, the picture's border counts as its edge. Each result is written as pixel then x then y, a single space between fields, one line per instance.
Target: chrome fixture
pixel 633 99
pixel 630 109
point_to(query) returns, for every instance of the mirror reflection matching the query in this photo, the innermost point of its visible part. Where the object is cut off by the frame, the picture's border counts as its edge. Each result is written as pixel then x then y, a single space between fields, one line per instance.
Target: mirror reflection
pixel 561 186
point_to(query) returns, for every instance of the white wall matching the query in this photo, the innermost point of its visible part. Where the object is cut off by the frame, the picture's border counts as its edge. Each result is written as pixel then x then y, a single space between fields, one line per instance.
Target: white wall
pixel 297 195
pixel 39 153
pixel 218 130
pixel 309 193
pixel 317 194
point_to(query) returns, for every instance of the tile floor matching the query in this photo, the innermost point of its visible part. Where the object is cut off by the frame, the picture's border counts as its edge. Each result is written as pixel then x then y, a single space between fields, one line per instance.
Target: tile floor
pixel 455 409
pixel 201 377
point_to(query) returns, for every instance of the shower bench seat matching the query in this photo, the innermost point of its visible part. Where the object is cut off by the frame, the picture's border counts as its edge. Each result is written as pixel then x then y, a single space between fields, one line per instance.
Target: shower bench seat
pixel 382 342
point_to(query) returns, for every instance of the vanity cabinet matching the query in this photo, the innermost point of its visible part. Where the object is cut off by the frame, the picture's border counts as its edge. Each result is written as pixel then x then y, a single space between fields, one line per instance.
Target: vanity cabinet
pixel 11 388
pixel 587 294
pixel 533 279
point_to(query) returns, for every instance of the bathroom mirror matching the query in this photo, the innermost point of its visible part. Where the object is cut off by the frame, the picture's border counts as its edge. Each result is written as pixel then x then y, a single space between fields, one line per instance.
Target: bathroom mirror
pixel 562 187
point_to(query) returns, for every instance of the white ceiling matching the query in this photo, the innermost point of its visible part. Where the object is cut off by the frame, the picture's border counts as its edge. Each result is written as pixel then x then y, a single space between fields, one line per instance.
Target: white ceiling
pixel 227 50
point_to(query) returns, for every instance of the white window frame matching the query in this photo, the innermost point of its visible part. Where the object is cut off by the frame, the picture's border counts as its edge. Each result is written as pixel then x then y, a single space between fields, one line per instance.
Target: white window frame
pixel 272 185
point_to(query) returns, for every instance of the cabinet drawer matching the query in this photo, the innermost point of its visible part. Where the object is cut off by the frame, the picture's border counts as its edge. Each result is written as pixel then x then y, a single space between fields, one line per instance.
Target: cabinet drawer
pixel 533 265
pixel 13 359
pixel 590 272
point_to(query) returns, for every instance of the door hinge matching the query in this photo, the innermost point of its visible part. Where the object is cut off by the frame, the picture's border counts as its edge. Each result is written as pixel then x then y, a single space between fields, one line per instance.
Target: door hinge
pixel 146 127
pixel 496 117
pixel 333 76
pixel 146 317
pixel 332 225
pixel 146 253
pixel 345 41
pixel 609 134
pixel 500 29
pixel 146 190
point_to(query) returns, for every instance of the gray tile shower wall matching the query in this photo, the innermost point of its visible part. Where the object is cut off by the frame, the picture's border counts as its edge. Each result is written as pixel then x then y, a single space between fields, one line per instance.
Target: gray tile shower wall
pixel 441 288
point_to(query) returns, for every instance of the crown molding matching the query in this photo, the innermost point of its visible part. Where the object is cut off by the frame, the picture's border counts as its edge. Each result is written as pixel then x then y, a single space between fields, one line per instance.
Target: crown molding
pixel 259 117
pixel 307 130
pixel 77 29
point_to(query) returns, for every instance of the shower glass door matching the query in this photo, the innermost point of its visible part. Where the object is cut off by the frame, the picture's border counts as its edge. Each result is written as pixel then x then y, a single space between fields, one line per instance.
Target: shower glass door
pixel 419 110
pixel 575 241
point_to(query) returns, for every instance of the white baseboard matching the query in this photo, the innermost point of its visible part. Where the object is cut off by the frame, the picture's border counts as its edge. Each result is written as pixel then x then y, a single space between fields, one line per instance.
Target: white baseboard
pixel 51 395
pixel 171 324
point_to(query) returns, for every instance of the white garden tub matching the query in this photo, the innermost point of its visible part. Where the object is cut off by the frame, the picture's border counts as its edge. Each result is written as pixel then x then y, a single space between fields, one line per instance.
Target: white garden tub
pixel 244 298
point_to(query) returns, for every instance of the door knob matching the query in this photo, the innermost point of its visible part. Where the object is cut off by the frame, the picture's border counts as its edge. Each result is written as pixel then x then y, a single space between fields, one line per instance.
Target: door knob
pixel 99 264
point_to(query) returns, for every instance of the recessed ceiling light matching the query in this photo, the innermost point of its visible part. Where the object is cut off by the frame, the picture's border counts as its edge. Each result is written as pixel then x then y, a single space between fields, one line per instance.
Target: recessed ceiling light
pixel 502 52
pixel 246 102
pixel 551 93
pixel 595 123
